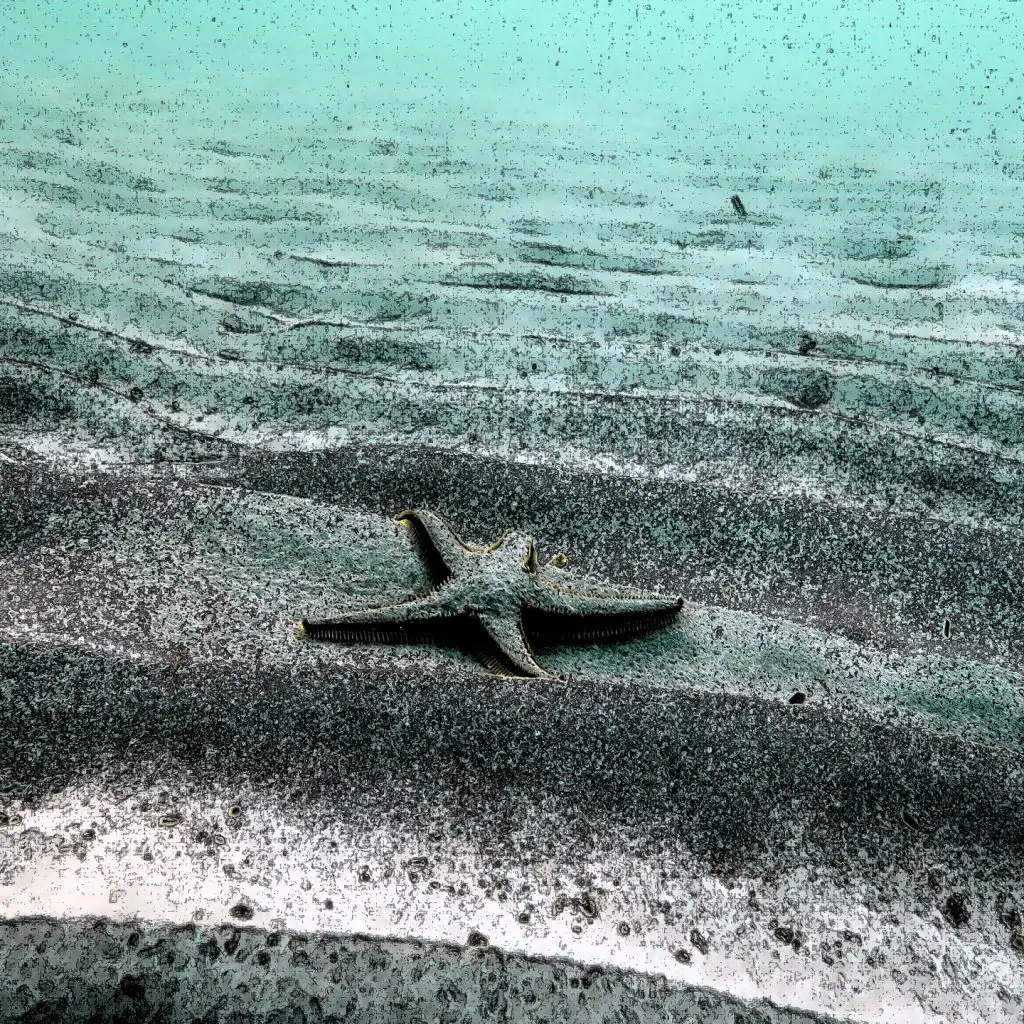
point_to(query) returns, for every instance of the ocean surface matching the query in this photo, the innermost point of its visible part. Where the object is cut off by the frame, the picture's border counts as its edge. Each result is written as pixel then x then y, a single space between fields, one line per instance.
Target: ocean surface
pixel 722 301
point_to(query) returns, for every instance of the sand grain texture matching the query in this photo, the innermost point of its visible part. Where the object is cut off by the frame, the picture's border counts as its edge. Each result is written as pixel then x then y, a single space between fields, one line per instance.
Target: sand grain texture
pixel 222 374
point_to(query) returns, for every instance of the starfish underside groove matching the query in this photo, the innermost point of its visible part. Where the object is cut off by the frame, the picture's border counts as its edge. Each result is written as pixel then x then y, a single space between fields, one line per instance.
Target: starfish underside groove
pixel 492 597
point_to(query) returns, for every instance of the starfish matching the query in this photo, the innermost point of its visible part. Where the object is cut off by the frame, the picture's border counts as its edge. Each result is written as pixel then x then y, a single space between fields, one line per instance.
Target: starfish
pixel 497 587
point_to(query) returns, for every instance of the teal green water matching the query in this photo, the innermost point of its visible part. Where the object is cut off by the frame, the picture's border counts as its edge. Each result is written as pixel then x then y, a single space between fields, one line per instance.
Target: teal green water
pixel 936 81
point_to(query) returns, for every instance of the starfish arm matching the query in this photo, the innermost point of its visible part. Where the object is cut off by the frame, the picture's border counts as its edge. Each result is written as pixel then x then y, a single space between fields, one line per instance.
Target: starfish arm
pixel 435 532
pixel 507 634
pixel 433 606
pixel 550 598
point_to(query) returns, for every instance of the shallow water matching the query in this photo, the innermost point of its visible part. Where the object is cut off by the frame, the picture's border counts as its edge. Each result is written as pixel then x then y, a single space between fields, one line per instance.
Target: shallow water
pixel 268 277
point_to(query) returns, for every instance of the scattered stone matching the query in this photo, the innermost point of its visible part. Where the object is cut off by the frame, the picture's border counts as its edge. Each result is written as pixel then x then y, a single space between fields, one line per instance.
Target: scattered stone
pixel 241 911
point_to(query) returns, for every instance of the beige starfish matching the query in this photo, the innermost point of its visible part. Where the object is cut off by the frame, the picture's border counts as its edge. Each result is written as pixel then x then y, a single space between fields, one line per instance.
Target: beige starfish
pixel 494 585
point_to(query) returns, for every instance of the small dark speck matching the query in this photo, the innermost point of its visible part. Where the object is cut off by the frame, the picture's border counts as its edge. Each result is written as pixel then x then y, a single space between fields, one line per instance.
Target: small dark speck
pixel 947 629
pixel 623 929
pixel 956 909
pixel 477 939
pixel 737 205
pixel 241 911
pixel 328 904
pixel 798 698
pixel 700 942
pixel 132 986
pixel 682 955
pixel 524 917
pixel 910 819
pixel 807 344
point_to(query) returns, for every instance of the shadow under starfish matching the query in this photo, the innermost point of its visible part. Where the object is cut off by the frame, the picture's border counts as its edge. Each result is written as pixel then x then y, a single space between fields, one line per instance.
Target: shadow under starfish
pixel 489 599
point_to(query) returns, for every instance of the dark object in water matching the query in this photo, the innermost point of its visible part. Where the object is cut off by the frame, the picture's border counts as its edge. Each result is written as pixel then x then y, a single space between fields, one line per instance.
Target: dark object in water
pixel 910 819
pixel 737 205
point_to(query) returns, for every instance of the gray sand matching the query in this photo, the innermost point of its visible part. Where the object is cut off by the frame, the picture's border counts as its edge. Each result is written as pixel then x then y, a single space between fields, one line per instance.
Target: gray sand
pixel 226 363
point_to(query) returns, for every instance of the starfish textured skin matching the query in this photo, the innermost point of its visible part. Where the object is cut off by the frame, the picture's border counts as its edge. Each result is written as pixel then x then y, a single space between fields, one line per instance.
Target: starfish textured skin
pixel 494 585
